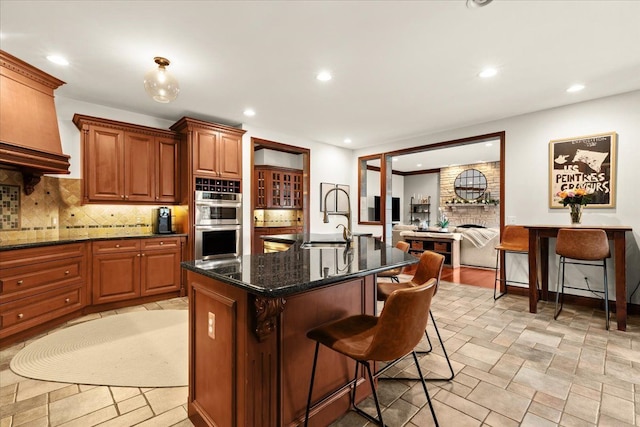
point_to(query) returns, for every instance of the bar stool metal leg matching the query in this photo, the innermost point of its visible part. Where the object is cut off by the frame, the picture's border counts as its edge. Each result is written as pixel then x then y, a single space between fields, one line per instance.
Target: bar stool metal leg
pixel 498 281
pixel 606 293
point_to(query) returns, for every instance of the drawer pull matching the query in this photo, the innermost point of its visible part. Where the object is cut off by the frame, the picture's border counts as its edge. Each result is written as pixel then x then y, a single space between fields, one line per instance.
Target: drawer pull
pixel 117 246
pixel 66 272
pixel 20 315
pixel 161 243
pixel 67 300
pixel 19 282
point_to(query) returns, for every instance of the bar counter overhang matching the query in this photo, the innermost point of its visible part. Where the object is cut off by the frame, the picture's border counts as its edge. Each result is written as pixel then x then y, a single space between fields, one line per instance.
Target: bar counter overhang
pixel 249 358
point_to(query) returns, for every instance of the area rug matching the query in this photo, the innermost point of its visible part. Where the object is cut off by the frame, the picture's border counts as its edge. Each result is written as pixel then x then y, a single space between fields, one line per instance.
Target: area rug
pixel 136 349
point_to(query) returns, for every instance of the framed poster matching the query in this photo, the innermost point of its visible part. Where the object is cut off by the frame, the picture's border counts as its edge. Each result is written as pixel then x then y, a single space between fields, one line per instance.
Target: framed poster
pixel 587 162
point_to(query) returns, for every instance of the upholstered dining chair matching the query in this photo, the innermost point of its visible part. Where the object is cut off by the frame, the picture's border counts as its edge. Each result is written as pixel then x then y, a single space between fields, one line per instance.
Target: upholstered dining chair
pixel 394 272
pixel 514 239
pixel 390 336
pixel 583 247
pixel 429 267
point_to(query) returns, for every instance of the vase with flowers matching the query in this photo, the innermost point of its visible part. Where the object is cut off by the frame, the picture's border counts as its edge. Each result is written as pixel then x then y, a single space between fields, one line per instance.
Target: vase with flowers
pixel 576 200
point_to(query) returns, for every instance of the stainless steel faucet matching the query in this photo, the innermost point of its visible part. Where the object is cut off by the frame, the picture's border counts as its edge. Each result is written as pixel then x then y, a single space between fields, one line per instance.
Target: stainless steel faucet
pixel 346 232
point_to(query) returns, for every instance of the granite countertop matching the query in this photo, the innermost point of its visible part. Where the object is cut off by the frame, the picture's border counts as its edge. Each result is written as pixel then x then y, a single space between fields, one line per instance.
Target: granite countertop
pixel 6 245
pixel 299 269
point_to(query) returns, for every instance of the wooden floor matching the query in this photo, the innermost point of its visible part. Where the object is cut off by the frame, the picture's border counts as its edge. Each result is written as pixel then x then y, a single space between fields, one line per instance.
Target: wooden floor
pixel 482 277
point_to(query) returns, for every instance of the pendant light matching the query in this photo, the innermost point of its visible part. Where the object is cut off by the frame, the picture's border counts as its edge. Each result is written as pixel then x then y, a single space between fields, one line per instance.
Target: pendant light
pixel 161 85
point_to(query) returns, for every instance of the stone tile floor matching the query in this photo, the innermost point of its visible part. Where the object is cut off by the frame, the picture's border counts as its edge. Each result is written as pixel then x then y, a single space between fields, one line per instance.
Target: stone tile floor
pixel 512 368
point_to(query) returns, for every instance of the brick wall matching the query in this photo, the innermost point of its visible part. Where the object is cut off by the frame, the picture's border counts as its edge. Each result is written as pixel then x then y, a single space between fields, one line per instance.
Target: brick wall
pixel 458 214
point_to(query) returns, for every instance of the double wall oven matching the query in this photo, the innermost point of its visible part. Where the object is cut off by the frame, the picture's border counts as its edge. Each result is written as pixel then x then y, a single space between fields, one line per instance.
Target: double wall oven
pixel 218 219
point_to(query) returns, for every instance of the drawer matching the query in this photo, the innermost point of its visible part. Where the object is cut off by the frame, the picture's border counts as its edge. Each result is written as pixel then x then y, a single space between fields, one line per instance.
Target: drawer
pixel 417 244
pixel 45 274
pixel 441 247
pixel 160 243
pixel 31 256
pixel 115 245
pixel 28 312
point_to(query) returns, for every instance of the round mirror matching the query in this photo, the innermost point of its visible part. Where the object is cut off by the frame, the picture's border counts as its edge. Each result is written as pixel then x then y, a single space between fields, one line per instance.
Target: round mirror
pixel 470 184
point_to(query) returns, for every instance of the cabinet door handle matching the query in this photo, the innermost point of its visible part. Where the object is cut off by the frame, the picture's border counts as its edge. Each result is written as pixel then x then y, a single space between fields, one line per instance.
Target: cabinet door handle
pixel 66 272
pixel 138 255
pixel 143 254
pixel 67 300
pixel 122 196
pixel 19 282
pixel 161 243
pixel 117 246
pixel 20 315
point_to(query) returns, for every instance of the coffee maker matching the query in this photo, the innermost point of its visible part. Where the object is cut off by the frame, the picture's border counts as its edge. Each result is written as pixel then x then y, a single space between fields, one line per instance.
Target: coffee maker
pixel 162 220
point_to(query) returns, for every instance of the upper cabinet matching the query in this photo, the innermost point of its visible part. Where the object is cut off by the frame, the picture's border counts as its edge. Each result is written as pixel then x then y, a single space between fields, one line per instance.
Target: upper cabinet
pixel 215 150
pixel 277 188
pixel 127 163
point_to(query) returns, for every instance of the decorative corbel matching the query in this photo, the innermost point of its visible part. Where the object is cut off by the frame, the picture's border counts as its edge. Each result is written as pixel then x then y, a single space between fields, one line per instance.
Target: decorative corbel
pixel 30 181
pixel 267 312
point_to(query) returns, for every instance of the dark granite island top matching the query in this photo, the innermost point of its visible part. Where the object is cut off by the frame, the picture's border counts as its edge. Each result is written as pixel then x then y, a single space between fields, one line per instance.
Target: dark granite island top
pixel 249 359
pixel 302 268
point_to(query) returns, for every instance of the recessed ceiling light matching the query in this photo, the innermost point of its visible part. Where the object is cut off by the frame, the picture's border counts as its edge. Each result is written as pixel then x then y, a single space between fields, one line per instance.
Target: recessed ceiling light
pixel 249 112
pixel 395 159
pixel 347 141
pixel 57 59
pixel 419 165
pixel 324 76
pixel 488 72
pixel 575 88
pixel 488 144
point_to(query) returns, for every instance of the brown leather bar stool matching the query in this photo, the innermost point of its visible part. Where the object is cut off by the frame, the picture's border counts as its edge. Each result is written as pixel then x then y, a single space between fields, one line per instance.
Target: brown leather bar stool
pixel 582 245
pixel 429 267
pixel 514 239
pixel 365 339
pixel 394 272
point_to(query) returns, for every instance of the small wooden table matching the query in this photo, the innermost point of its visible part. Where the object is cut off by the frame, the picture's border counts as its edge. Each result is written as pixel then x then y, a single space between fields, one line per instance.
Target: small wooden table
pixel 539 236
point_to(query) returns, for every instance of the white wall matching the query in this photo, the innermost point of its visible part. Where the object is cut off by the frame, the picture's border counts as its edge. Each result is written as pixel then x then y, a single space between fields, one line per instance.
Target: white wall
pixel 277 158
pixel 425 185
pixel 527 171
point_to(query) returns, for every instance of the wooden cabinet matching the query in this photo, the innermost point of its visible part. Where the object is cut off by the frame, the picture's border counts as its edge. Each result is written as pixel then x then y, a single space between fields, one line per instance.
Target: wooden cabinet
pixel 131 268
pixel 128 163
pixel 38 285
pixel 215 150
pixel 258 246
pixel 277 188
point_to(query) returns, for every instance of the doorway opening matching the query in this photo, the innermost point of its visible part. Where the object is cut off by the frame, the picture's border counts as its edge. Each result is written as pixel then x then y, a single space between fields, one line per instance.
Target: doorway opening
pixel 280 179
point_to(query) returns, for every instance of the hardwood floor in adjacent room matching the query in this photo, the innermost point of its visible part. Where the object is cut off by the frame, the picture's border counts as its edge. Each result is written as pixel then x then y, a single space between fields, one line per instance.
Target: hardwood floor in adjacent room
pixel 483 277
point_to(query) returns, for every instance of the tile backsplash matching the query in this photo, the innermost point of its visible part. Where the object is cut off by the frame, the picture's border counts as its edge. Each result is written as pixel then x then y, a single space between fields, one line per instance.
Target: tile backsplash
pixel 54 210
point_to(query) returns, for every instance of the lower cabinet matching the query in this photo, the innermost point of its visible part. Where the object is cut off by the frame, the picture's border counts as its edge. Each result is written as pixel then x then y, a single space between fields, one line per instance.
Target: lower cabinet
pixel 40 284
pixel 258 232
pixel 131 268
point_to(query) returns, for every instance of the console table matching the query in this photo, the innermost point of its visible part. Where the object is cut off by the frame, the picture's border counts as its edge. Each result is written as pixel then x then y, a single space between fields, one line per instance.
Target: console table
pixel 539 236
pixel 447 244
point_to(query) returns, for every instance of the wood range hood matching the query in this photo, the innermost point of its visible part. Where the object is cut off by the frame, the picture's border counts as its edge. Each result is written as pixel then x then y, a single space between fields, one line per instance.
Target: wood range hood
pixel 29 134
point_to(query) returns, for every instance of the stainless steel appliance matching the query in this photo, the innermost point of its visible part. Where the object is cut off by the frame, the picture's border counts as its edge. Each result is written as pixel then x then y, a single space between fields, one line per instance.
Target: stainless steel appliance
pixel 217 225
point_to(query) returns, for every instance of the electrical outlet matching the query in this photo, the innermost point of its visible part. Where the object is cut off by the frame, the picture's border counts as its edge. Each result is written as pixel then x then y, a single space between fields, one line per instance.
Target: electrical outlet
pixel 511 220
pixel 211 326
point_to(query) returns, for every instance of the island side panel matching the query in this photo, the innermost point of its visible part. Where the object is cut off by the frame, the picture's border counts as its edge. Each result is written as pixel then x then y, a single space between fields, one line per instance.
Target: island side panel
pixel 218 366
pixel 302 313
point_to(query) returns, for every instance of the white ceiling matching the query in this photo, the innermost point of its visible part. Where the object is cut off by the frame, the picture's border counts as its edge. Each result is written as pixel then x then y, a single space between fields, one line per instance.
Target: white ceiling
pixel 401 69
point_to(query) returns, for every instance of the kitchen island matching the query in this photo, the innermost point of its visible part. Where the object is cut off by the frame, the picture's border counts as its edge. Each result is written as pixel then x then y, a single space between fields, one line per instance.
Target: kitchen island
pixel 249 358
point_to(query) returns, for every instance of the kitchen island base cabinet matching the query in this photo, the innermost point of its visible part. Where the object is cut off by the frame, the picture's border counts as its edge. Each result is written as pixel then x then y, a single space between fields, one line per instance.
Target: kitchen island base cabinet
pixel 250 360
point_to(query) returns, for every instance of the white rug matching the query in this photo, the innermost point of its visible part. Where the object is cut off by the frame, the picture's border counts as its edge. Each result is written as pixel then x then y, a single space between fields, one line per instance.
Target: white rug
pixel 137 349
